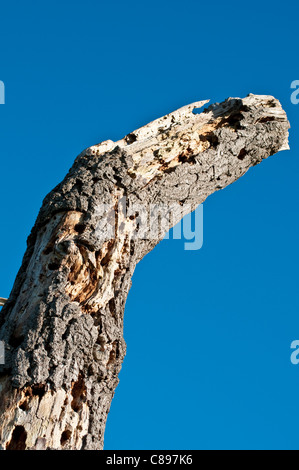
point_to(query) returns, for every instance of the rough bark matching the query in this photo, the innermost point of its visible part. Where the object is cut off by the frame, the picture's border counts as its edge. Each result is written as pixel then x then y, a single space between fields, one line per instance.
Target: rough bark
pixel 63 323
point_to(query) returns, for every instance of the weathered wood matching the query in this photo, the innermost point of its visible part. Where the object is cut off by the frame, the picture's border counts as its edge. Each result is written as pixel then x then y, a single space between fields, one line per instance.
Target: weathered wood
pixel 2 301
pixel 63 323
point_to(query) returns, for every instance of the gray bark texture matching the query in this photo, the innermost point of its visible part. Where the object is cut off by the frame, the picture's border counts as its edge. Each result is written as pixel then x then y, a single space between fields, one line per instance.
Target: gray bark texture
pixel 63 323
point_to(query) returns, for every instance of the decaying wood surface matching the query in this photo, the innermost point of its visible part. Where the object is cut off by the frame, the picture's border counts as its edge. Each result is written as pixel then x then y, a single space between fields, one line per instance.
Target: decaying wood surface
pixel 63 323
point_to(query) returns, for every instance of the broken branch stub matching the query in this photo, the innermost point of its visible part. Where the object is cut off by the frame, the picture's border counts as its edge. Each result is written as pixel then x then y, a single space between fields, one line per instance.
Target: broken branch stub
pixel 63 323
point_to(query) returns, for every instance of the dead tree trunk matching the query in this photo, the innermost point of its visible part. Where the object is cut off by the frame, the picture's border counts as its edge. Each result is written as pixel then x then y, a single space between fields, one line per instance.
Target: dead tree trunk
pixel 63 323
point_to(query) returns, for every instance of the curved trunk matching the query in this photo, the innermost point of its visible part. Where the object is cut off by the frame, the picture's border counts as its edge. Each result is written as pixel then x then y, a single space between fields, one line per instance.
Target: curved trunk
pixel 63 323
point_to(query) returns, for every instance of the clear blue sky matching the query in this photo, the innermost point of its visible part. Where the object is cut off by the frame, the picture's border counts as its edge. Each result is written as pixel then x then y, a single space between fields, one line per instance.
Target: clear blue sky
pixel 77 73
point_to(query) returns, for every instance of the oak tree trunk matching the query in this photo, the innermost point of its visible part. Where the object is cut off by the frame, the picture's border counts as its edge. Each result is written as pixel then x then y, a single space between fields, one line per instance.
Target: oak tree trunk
pixel 63 323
